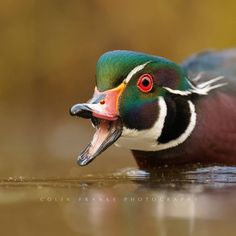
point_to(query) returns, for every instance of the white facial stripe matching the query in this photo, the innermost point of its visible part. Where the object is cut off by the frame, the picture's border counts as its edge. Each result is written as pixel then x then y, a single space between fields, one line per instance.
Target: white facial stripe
pixel 209 82
pixel 134 71
pixel 144 139
pixel 200 89
pixel 198 77
pixel 180 92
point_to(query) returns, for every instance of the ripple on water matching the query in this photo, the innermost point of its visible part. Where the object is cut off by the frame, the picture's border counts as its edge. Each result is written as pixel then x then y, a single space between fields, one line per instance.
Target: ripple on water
pixel 194 174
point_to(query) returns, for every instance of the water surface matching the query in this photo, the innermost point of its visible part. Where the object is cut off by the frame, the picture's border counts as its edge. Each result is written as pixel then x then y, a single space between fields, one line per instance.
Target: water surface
pixel 193 200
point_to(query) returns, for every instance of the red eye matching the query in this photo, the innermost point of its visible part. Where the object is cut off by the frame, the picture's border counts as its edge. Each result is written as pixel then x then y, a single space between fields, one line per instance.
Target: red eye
pixel 145 83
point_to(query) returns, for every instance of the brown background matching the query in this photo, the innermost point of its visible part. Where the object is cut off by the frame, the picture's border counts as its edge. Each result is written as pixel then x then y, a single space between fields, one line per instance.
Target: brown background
pixel 48 52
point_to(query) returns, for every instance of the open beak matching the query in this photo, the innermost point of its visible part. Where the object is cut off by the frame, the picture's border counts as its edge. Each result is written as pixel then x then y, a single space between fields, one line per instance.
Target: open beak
pixel 102 109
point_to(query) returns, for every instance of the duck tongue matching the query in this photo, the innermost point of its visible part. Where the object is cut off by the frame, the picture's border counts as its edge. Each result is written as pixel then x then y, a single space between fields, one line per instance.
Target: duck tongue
pixel 107 132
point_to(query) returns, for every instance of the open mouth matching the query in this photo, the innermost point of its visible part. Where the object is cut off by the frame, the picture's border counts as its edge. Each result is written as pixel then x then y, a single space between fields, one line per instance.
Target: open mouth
pixel 107 132
pixel 102 109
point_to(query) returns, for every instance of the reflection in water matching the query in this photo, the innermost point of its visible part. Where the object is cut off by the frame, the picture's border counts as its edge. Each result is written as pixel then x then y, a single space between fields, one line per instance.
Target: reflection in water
pixel 189 201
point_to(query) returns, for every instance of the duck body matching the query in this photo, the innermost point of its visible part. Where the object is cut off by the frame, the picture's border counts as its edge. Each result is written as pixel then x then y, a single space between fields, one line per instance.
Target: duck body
pixel 165 113
pixel 213 139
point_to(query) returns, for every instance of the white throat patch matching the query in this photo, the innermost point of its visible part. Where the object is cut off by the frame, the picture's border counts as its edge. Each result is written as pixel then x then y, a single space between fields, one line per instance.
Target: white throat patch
pixel 146 140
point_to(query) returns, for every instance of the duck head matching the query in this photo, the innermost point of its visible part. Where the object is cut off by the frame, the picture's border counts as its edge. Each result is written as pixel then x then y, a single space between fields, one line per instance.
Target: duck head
pixel 133 95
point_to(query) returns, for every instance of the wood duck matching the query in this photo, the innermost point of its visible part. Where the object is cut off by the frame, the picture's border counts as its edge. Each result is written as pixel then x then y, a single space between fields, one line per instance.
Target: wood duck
pixel 165 113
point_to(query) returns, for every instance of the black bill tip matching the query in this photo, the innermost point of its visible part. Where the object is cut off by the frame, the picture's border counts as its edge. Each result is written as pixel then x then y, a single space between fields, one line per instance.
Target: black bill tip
pixel 83 161
pixel 81 110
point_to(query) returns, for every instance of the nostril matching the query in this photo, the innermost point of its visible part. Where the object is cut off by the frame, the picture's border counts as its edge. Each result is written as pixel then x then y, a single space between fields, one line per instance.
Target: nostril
pixel 102 102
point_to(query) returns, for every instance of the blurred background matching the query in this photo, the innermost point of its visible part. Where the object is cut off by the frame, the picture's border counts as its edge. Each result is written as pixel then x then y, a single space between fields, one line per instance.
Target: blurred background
pixel 48 53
